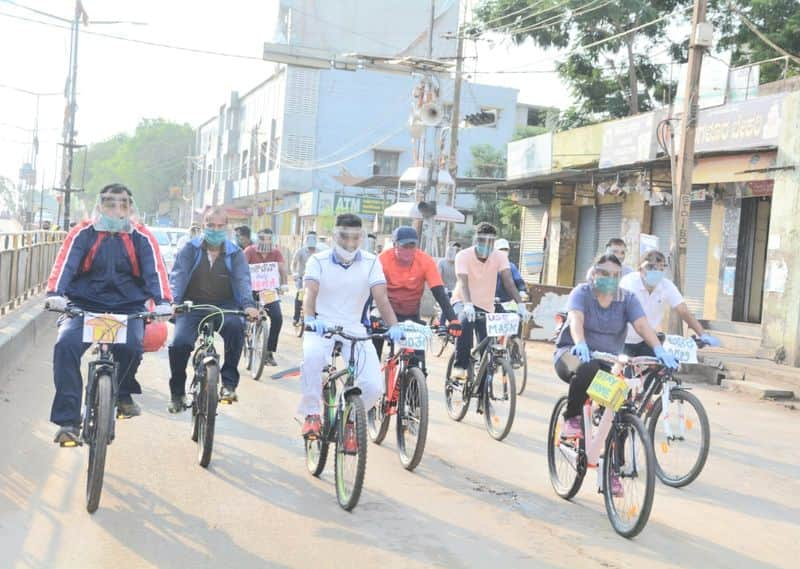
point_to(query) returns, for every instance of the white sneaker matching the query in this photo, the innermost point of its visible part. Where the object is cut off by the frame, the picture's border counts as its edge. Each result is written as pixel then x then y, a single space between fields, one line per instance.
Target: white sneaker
pixel 458 373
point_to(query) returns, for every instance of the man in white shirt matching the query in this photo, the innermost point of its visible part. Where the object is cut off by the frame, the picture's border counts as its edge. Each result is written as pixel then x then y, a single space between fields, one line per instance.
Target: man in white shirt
pixel 338 283
pixel 655 293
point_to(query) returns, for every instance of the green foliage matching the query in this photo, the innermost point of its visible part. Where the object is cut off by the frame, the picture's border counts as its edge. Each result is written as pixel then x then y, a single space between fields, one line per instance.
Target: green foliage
pixel 487 162
pixel 501 212
pixel 528 131
pixel 7 202
pixel 600 77
pixel 149 162
pixel 779 20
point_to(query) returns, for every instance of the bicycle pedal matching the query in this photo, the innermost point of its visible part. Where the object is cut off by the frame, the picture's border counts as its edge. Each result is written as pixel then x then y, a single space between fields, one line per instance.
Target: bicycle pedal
pixel 226 401
pixel 70 444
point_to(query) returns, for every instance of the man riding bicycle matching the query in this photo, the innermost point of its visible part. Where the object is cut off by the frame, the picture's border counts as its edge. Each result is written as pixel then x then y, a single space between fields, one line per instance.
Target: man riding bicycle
pixel 500 292
pixel 477 268
pixel 264 251
pixel 299 268
pixel 407 270
pixel 338 283
pixel 209 270
pixel 110 264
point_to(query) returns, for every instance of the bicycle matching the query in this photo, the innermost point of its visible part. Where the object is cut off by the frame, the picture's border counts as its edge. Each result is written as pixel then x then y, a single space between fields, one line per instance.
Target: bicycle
pixel 102 386
pixel 495 391
pixel 205 384
pixel 258 331
pixel 516 347
pixel 665 399
pixel 405 395
pixel 621 437
pixel 343 416
pixel 299 328
pixel 441 337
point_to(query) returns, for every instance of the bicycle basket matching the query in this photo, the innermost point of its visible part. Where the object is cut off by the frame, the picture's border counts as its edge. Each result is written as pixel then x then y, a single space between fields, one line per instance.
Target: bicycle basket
pixel 608 390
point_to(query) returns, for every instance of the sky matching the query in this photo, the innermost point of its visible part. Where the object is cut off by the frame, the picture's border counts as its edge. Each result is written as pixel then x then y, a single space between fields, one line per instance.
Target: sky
pixel 120 83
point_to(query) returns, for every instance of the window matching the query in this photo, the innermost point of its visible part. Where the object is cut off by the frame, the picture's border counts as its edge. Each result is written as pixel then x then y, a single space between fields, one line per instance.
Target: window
pixel 244 164
pixel 262 157
pixel 385 163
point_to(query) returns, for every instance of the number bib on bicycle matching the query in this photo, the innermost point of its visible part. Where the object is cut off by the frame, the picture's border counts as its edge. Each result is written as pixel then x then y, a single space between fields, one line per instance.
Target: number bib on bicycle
pixel 501 324
pixel 417 336
pixel 105 328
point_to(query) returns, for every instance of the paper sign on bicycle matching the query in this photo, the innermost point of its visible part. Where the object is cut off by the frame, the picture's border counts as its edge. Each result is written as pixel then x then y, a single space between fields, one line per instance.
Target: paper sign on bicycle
pixel 264 276
pixel 684 349
pixel 502 324
pixel 417 336
pixel 267 296
pixel 105 328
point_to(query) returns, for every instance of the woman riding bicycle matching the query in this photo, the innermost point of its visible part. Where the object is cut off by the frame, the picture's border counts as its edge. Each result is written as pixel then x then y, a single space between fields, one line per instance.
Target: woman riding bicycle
pixel 599 313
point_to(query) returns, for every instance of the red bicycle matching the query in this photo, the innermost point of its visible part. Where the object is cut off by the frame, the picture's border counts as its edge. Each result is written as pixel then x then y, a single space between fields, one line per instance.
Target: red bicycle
pixel 405 395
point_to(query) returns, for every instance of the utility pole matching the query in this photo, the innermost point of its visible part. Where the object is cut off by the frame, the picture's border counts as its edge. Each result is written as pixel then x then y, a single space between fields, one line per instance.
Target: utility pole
pixel 455 119
pixel 682 192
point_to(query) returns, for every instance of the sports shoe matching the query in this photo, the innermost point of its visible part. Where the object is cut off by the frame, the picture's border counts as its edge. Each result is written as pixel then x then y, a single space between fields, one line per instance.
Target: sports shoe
pixel 228 394
pixel 178 404
pixel 616 486
pixel 68 436
pixel 311 427
pixel 127 407
pixel 458 373
pixel 572 428
pixel 269 359
pixel 350 441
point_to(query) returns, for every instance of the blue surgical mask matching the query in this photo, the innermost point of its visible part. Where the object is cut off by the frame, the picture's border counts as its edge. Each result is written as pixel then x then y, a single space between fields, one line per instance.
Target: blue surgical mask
pixel 483 250
pixel 652 278
pixel 215 237
pixel 606 285
pixel 112 224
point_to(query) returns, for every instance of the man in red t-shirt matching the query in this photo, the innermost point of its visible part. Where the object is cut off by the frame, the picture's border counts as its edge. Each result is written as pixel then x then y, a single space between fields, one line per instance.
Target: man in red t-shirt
pixel 263 251
pixel 407 270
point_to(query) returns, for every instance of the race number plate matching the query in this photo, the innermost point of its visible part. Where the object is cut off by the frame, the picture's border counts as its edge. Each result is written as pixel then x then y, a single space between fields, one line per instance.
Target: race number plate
pixel 684 349
pixel 502 324
pixel 105 328
pixel 264 276
pixel 417 336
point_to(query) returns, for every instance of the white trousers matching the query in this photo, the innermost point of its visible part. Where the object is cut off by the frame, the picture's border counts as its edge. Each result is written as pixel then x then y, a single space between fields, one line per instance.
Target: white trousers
pixel 317 354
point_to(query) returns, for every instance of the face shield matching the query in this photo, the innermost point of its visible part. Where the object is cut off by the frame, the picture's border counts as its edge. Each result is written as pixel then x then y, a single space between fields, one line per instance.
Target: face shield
pixel 311 241
pixel 484 244
pixel 452 251
pixel 264 244
pixel 114 212
pixel 347 241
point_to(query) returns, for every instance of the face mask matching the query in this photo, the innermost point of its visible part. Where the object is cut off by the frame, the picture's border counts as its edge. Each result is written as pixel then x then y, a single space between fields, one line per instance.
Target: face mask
pixel 652 278
pixel 483 250
pixel 404 256
pixel 111 224
pixel 311 241
pixel 606 285
pixel 343 255
pixel 264 246
pixel 451 253
pixel 214 237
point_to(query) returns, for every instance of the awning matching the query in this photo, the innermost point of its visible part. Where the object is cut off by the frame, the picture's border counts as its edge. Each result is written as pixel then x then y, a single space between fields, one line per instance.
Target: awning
pixel 392 182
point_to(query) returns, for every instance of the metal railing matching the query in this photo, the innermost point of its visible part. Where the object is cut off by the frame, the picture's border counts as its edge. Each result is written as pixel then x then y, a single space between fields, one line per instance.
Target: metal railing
pixel 26 259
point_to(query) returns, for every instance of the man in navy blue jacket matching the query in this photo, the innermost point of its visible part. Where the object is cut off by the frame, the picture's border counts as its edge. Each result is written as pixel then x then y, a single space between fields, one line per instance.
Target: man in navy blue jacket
pixel 110 264
pixel 210 269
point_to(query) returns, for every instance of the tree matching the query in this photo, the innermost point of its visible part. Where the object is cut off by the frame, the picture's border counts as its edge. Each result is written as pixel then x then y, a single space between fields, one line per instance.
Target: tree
pixel 487 162
pixel 490 162
pixel 527 131
pixel 7 199
pixel 149 162
pixel 614 79
pixel 777 20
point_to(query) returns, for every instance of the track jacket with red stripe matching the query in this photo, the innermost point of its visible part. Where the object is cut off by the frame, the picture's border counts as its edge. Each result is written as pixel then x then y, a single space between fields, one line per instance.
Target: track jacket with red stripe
pixel 110 272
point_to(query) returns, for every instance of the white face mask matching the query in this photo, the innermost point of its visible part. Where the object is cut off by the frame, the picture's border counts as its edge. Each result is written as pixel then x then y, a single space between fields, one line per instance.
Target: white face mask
pixel 343 255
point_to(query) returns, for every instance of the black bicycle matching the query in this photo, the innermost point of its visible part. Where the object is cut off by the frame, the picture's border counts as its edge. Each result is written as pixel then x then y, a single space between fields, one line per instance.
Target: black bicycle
pixel 256 338
pixel 205 385
pixel 516 347
pixel 100 399
pixel 490 379
pixel 344 423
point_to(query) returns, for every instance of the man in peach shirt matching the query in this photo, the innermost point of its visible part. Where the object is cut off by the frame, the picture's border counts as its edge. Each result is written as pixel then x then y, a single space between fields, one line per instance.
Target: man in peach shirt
pixel 476 269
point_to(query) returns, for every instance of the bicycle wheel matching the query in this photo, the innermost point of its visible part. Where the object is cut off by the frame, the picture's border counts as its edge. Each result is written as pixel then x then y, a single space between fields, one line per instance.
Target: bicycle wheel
pixel 629 458
pixel 378 421
pixel 100 431
pixel 564 457
pixel 412 418
pixel 260 339
pixel 440 341
pixel 317 449
pixel 681 438
pixel 351 452
pixel 519 361
pixel 500 399
pixel 300 326
pixel 456 393
pixel 247 352
pixel 207 414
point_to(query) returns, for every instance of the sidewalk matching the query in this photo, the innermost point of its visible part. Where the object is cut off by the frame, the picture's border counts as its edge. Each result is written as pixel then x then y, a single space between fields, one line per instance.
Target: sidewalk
pixel 749 374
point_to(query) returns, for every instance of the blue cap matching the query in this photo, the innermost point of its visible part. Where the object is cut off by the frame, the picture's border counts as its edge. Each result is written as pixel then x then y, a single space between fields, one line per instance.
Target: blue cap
pixel 404 235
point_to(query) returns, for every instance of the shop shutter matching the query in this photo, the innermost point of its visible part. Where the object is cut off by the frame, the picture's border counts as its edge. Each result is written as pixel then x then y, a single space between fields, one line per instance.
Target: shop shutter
pixel 661 226
pixel 532 239
pixel 587 242
pixel 609 224
pixel 697 256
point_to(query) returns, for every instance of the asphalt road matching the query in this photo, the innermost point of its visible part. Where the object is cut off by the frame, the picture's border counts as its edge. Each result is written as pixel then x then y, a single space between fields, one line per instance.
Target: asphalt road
pixel 473 502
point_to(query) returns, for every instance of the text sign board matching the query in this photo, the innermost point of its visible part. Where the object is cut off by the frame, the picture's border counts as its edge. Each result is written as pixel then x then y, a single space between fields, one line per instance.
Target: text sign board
pixel 264 276
pixel 105 328
pixel 684 349
pixel 502 324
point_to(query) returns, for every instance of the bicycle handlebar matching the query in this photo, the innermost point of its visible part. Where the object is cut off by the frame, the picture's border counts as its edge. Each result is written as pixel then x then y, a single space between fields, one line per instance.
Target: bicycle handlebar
pixel 189 306
pixel 339 331
pixel 624 359
pixel 73 312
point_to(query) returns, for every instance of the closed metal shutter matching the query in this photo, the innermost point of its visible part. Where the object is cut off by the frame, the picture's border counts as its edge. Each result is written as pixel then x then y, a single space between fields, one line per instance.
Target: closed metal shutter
pixel 609 225
pixel 587 242
pixel 532 240
pixel 661 226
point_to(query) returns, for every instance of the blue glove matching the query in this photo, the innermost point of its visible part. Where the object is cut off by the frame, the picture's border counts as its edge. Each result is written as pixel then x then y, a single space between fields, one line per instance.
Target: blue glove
pixel 666 358
pixel 581 350
pixel 396 333
pixel 316 325
pixel 711 340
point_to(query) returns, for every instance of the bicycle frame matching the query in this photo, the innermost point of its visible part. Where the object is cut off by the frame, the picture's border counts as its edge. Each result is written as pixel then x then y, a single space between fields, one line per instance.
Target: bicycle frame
pixel 336 407
pixel 394 368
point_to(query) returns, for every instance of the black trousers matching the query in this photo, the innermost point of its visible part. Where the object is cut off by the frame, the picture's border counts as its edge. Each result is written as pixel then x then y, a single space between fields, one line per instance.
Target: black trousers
pixel 419 354
pixel 579 378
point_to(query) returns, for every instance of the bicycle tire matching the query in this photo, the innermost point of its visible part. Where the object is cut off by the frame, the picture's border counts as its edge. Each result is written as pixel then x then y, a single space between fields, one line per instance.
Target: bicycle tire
pixel 413 386
pixel 456 414
pixel 207 414
pixel 518 344
pixel 260 339
pixel 354 406
pixel 103 416
pixel 378 421
pixel 317 449
pixel 497 432
pixel 700 462
pixel 642 512
pixel 439 343
pixel 300 327
pixel 564 488
pixel 247 351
